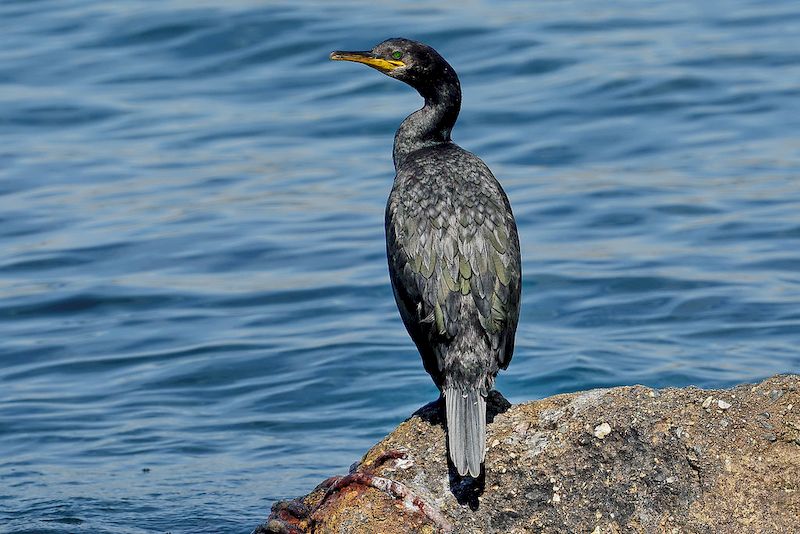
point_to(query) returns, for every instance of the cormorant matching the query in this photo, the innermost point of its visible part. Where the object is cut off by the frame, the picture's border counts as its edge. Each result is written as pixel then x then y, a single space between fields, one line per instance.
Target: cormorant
pixel 452 246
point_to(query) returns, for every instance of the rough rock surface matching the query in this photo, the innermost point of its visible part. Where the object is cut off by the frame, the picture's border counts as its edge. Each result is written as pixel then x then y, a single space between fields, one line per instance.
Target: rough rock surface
pixel 627 459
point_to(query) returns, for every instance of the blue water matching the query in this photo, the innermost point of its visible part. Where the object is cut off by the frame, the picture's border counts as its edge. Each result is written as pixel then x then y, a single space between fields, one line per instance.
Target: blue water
pixel 195 313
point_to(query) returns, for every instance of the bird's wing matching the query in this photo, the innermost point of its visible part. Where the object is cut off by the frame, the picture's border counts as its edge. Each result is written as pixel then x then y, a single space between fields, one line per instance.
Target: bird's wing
pixel 444 244
pixel 492 251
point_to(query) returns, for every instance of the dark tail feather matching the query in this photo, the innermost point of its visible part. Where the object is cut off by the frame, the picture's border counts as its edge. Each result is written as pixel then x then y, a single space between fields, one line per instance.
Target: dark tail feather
pixel 466 429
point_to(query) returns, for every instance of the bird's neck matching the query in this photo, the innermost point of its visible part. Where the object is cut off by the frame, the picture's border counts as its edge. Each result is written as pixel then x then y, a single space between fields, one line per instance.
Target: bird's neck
pixel 431 125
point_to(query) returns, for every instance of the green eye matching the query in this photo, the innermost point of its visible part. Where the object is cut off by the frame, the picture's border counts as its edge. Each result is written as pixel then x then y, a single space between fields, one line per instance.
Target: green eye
pixel 397 54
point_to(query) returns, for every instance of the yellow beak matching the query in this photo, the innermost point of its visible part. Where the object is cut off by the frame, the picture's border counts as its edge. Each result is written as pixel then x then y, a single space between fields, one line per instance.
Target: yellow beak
pixel 368 58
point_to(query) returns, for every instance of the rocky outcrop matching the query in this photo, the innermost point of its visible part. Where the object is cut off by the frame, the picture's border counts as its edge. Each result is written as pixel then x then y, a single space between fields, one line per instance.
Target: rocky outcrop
pixel 627 459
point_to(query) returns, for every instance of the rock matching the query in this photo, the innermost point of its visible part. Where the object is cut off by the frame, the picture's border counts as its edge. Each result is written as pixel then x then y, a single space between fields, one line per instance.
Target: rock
pixel 666 467
pixel 723 405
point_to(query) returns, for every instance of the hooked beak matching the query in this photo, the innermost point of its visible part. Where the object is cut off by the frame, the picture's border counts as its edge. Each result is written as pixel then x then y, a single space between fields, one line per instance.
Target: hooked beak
pixel 368 58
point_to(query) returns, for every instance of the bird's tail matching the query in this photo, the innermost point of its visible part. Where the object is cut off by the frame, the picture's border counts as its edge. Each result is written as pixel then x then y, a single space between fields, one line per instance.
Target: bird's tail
pixel 466 429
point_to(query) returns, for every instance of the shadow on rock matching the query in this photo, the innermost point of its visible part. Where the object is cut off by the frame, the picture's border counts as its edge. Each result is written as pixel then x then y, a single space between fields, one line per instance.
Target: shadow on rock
pixel 466 489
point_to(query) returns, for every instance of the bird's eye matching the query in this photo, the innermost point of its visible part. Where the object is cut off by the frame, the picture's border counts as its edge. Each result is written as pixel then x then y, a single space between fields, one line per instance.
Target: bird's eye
pixel 397 54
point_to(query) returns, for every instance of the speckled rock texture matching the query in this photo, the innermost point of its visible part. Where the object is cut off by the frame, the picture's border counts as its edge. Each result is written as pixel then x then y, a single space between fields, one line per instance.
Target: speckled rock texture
pixel 627 459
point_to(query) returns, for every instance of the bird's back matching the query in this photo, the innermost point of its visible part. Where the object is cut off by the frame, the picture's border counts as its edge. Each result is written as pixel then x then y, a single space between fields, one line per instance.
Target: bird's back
pixel 455 265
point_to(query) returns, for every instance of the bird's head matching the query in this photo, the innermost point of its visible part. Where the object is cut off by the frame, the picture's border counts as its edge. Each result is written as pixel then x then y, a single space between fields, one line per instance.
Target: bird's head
pixel 412 62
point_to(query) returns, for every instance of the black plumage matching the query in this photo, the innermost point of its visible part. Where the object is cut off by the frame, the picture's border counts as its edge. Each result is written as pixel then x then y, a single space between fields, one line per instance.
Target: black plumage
pixel 452 246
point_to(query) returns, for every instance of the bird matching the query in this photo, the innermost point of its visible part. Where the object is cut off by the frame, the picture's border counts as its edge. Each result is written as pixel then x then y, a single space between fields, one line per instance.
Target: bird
pixel 452 246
